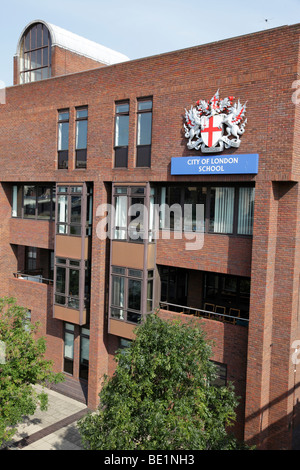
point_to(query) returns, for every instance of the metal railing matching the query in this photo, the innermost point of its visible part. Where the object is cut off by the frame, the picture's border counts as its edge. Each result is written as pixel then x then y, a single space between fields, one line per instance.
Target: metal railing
pixel 197 312
pixel 31 276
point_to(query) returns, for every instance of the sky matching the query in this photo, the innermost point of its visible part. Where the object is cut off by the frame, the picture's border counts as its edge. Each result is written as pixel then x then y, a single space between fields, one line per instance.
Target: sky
pixel 140 28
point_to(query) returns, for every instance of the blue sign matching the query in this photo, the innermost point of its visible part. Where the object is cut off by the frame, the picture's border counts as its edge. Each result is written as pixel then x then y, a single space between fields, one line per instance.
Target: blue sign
pixel 215 165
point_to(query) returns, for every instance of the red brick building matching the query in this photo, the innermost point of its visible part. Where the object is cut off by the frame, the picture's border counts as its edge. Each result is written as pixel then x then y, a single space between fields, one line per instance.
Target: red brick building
pixel 84 126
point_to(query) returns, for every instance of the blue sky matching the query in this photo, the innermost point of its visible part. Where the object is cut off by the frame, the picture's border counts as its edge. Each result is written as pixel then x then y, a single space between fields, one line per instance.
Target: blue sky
pixel 140 29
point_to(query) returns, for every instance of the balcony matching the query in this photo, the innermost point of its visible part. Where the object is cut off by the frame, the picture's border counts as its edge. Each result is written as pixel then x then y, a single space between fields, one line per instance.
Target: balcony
pixel 223 315
pixel 34 276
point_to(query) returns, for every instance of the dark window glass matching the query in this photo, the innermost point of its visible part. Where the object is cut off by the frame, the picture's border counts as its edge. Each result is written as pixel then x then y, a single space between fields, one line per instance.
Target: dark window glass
pixel 81 137
pixel 29 201
pixel 44 202
pixel 221 375
pixel 229 292
pixel 60 280
pixel 31 258
pixel 121 135
pixel 84 353
pixel 74 282
pixel 134 294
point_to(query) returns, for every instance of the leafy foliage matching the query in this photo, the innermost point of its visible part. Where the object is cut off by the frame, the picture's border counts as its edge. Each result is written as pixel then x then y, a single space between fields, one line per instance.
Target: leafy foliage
pixel 22 365
pixel 162 396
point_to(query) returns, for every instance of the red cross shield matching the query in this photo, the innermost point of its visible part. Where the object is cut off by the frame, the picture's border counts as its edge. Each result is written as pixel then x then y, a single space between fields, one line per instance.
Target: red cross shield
pixel 212 131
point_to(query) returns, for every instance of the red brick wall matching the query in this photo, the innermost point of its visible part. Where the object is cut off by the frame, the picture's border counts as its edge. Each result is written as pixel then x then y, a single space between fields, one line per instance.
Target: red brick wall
pixel 65 62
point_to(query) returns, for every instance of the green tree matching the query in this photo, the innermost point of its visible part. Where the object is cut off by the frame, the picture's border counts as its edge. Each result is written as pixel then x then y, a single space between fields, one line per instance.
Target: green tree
pixel 22 365
pixel 162 395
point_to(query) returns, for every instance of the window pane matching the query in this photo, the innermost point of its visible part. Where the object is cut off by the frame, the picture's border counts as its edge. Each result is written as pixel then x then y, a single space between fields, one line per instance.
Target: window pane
pixel 228 288
pixel 118 291
pixel 134 294
pixel 75 230
pixel 33 59
pixel 246 211
pixel 142 105
pixel 27 61
pixel 69 345
pixel 81 158
pixel 136 227
pixel 81 113
pixel 117 313
pixel 194 208
pixel 29 201
pixel 73 303
pixel 62 213
pixel 75 210
pixel 121 132
pixel 63 116
pixel 39 37
pixel 74 282
pixel 121 216
pixel 144 129
pixel 59 299
pixel 117 270
pixel 60 280
pixel 44 202
pixel 134 317
pixel 63 136
pixel 122 108
pixel 84 357
pixel 121 157
pixel 81 134
pixel 149 295
pixel 171 211
pixel 45 56
pixel 33 37
pixel 45 36
pixel 27 41
pixel 135 273
pixel 222 208
pixel 17 201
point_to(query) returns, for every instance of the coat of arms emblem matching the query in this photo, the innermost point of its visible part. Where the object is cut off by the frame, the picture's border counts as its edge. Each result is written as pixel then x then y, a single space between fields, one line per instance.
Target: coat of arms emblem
pixel 214 125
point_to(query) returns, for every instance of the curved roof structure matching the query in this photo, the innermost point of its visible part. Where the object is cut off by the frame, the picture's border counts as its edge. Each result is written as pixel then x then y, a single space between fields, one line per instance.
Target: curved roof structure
pixel 78 44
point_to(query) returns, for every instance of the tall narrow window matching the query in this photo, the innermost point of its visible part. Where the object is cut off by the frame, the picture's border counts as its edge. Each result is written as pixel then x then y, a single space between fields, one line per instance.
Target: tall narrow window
pixel 121 135
pixel 84 353
pixel 63 139
pixel 120 232
pixel 246 211
pixel 144 133
pixel 44 202
pixel 81 137
pixel 69 348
